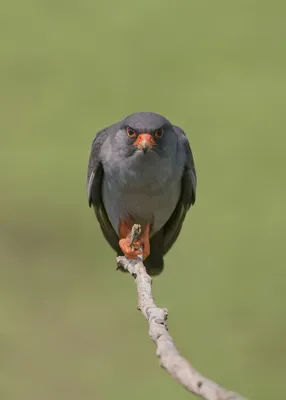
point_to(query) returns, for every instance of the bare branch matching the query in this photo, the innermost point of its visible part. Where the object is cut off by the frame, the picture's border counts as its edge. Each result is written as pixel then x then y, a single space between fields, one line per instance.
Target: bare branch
pixel 170 358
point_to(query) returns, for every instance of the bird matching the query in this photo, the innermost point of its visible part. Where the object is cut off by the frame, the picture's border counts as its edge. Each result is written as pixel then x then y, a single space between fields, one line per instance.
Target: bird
pixel 141 170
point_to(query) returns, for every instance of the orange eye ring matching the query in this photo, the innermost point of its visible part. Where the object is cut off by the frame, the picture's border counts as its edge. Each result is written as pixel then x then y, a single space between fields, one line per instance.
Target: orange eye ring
pixel 159 133
pixel 130 132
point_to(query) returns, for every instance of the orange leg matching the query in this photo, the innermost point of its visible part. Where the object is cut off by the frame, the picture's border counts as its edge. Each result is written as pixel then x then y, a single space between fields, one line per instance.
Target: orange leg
pixel 133 251
pixel 125 228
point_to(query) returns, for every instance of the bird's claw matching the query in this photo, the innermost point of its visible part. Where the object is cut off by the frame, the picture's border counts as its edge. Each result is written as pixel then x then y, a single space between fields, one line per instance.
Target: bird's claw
pixel 132 251
pixel 135 241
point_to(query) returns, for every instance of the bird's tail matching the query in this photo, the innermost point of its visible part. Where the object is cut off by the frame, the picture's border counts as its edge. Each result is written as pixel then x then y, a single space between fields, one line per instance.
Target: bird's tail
pixel 154 264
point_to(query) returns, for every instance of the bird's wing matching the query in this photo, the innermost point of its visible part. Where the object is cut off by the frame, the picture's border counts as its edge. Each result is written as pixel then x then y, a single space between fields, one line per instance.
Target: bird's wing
pixel 173 226
pixel 93 185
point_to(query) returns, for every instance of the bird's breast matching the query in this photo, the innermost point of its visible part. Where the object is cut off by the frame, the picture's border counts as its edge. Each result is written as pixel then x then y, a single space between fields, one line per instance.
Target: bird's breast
pixel 147 193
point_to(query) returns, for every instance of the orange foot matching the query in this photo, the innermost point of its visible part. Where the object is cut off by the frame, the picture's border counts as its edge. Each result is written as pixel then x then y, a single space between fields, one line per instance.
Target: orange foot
pixel 125 238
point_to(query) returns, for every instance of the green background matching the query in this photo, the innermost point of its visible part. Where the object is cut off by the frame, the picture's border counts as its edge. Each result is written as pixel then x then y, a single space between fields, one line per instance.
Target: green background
pixel 69 327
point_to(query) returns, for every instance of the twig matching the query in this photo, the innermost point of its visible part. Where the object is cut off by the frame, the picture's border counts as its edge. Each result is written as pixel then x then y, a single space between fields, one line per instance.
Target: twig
pixel 170 358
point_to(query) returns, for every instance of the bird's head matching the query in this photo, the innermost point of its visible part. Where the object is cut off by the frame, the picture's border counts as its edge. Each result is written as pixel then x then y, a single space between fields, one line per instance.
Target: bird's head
pixel 145 133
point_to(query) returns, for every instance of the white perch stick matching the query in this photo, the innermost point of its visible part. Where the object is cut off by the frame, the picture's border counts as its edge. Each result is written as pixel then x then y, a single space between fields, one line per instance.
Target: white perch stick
pixel 170 358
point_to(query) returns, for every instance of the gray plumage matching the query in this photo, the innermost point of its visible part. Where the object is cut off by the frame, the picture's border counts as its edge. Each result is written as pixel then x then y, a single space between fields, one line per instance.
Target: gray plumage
pixel 156 188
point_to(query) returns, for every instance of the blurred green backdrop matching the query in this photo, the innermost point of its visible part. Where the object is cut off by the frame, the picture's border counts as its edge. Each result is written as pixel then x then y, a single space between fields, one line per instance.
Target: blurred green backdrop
pixel 69 326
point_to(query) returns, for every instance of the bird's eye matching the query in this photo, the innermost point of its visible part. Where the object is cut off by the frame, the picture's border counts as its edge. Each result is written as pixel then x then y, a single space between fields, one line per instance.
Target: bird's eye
pixel 130 132
pixel 159 133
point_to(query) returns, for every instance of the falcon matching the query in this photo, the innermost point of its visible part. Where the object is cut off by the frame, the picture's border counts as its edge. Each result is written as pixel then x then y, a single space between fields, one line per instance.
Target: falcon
pixel 141 171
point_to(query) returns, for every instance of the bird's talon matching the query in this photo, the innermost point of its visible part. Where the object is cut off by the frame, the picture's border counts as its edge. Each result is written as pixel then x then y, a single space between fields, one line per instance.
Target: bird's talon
pixel 128 250
pixel 133 248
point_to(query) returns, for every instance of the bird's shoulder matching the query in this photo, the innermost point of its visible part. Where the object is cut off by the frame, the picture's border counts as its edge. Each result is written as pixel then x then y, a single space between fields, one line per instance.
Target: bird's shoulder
pixel 103 134
pixel 182 136
pixel 184 143
pixel 190 175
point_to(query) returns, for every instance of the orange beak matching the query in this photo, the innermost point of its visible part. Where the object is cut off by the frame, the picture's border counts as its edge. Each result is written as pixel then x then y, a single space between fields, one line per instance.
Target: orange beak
pixel 145 142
